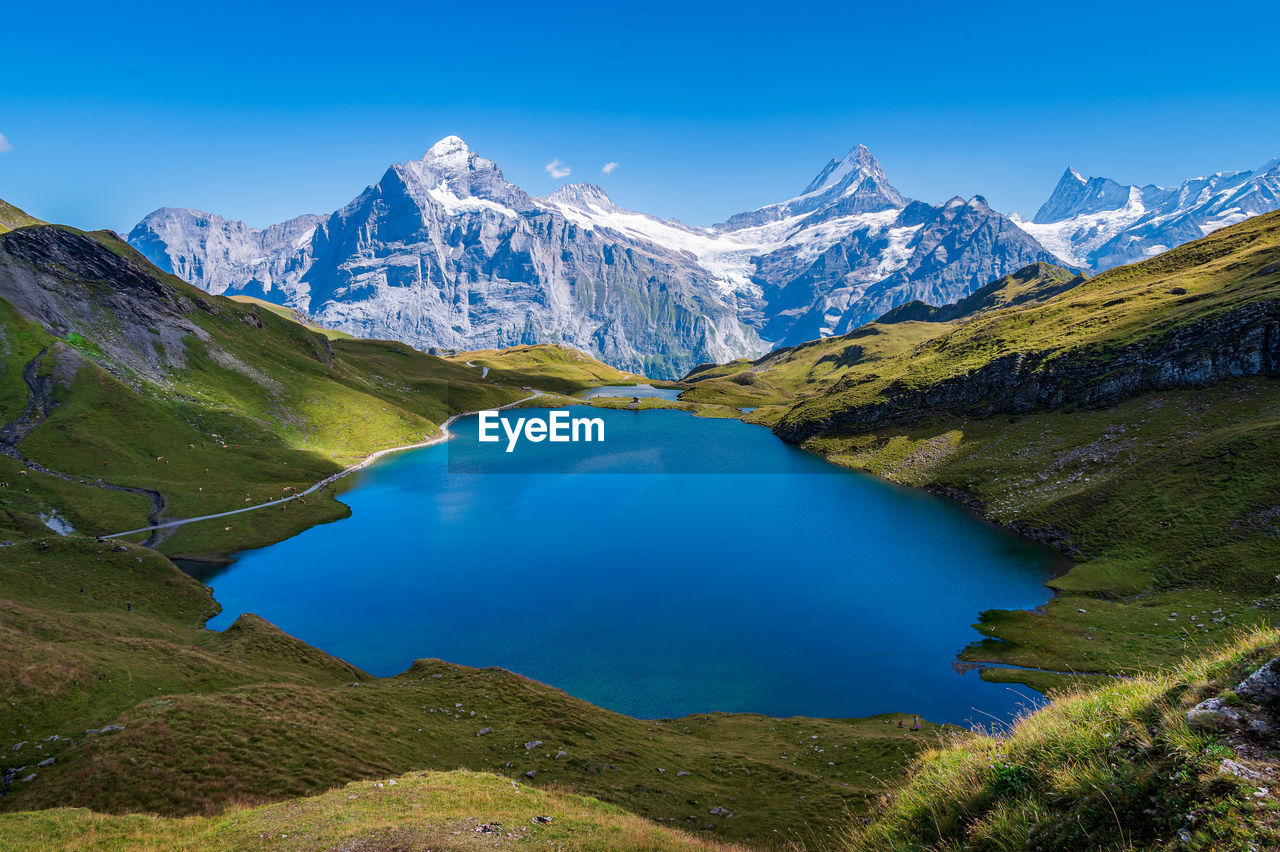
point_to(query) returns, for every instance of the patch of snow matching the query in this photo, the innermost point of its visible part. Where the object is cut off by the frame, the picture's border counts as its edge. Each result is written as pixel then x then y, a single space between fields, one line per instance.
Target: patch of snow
pixel 454 206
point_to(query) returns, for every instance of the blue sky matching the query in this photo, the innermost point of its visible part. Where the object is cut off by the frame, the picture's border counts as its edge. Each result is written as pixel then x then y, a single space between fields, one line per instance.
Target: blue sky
pixel 261 111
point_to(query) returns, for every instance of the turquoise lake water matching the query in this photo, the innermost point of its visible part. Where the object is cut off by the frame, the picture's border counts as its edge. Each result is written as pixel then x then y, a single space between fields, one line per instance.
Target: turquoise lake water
pixel 767 581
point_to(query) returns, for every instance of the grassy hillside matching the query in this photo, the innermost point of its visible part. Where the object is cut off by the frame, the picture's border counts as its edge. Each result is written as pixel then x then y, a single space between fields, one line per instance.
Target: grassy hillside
pixel 291 314
pixel 552 368
pixel 425 810
pixel 1163 497
pixel 11 217
pixel 1035 283
pixel 1120 767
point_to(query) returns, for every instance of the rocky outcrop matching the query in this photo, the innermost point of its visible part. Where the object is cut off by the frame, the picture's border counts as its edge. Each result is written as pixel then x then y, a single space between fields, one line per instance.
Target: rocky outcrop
pixel 71 284
pixel 1242 342
pixel 1035 283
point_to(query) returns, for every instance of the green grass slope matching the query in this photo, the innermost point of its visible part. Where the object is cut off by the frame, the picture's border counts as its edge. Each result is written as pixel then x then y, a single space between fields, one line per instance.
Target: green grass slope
pixel 1035 283
pixel 11 217
pixel 291 314
pixel 1119 767
pixel 425 810
pixel 548 367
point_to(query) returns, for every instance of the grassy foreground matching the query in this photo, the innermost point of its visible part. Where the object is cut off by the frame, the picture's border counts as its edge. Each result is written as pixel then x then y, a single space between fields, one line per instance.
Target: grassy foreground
pixel 1119 767
pixel 423 810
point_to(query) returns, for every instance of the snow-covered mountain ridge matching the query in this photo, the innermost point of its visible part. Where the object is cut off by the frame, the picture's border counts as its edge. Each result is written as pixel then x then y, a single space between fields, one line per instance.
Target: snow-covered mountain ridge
pixel 444 251
pixel 1099 224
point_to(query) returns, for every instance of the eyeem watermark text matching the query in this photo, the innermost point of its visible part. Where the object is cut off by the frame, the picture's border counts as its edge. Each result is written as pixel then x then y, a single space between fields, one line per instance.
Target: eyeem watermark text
pixel 558 427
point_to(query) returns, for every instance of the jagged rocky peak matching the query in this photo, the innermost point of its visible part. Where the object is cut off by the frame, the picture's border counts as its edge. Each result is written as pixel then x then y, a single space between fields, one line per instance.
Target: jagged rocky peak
pixel 1074 196
pixel 853 184
pixel 1099 224
pixel 583 196
pixel 450 172
pixel 854 167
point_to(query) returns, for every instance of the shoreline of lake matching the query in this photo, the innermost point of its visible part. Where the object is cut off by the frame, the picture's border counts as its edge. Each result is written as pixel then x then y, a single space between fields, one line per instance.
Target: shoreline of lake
pixel 913 497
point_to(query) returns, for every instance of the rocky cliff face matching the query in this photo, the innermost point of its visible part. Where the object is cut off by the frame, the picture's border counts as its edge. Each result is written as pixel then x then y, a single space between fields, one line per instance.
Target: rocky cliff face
pixel 1239 343
pixel 139 323
pixel 934 254
pixel 445 252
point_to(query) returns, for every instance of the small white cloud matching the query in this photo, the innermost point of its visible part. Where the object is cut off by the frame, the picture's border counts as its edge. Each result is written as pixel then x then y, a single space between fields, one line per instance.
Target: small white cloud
pixel 5 147
pixel 557 170
pixel 608 168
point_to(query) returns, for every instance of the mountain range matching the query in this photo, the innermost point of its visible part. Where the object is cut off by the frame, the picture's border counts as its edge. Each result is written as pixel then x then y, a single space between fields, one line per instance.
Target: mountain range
pixel 1100 224
pixel 445 252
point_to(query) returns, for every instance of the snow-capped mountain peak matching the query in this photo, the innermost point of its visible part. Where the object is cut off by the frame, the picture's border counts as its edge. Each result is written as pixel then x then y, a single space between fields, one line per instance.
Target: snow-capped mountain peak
pixel 450 174
pixel 583 196
pixel 859 163
pixel 853 184
pixel 1074 196
pixel 450 147
pixel 1098 223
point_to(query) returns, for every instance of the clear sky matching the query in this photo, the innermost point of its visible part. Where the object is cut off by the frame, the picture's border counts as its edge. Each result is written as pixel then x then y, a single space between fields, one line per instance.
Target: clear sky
pixel 261 111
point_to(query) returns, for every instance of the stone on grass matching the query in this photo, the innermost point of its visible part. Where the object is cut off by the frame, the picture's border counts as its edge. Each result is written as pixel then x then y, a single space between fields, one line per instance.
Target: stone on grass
pixel 1263 685
pixel 1214 711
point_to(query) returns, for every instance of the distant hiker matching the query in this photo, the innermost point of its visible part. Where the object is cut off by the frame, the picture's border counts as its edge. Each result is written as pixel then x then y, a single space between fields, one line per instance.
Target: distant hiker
pixel 900 725
pixel 128 605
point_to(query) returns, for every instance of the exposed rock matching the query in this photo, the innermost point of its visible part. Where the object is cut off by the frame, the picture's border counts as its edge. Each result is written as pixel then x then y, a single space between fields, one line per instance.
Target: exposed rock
pixel 1237 344
pixel 1263 685
pixel 1213 712
pixel 483 731
pixel 1233 767
pixel 532 744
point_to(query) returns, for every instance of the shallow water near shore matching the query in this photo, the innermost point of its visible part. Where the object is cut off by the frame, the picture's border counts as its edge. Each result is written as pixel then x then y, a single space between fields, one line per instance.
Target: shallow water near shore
pixel 793 588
